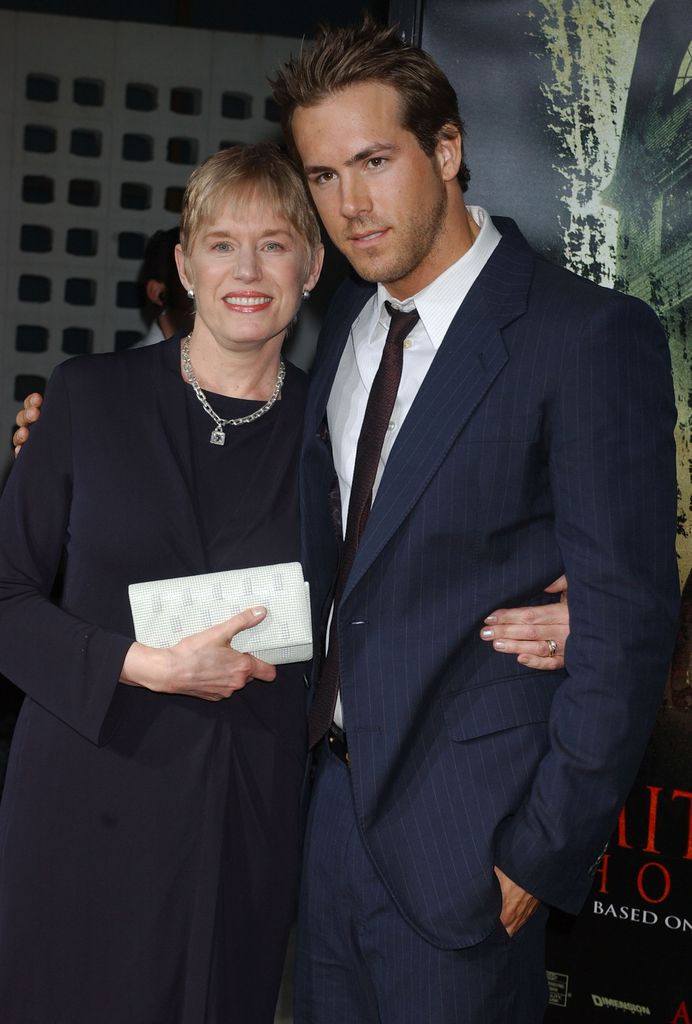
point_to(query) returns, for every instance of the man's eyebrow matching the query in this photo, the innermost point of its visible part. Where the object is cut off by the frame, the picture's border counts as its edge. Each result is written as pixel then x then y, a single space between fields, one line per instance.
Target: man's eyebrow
pixel 363 154
pixel 376 147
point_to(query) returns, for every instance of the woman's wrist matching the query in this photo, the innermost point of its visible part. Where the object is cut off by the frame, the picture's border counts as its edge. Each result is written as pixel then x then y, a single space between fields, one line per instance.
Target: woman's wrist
pixel 146 666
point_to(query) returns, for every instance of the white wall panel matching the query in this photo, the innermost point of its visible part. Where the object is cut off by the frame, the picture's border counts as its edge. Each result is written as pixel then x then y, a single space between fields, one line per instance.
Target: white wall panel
pixel 112 56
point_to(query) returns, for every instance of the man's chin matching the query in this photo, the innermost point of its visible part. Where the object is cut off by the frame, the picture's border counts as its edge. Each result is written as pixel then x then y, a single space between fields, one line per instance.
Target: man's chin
pixel 373 270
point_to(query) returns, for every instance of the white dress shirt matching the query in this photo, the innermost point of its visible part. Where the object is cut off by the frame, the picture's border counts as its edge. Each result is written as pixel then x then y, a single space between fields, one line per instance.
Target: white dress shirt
pixel 437 305
pixel 152 337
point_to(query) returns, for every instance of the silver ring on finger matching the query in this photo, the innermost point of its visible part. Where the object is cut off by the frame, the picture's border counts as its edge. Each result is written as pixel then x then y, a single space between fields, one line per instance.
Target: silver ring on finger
pixel 552 648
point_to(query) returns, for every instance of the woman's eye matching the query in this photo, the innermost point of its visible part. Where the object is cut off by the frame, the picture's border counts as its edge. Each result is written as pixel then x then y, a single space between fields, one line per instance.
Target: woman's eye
pixel 274 247
pixel 222 247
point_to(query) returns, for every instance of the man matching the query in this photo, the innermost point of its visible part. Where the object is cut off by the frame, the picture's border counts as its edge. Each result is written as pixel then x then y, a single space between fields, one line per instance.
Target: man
pixel 457 795
pixel 167 310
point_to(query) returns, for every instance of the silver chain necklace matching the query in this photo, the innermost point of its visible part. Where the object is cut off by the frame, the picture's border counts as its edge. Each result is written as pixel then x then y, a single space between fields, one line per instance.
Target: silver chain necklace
pixel 218 435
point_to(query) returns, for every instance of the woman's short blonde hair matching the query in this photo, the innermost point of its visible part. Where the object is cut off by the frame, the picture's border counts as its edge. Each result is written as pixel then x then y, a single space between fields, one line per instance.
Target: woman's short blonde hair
pixel 244 173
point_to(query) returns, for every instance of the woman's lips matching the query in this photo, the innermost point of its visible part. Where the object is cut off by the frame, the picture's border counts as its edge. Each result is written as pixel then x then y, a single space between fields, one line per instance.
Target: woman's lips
pixel 247 302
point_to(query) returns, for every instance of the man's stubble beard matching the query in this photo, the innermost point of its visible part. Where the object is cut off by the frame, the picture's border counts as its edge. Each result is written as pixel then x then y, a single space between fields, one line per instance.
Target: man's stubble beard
pixel 416 240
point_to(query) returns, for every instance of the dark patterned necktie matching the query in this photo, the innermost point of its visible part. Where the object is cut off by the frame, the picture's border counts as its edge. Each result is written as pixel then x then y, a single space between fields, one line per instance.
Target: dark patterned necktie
pixel 378 413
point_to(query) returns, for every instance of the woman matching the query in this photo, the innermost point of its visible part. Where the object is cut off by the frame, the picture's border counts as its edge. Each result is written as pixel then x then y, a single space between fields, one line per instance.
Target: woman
pixel 149 830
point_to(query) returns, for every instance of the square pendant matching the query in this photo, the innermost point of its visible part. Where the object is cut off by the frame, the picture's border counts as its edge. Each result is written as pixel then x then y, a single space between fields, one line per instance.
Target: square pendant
pixel 217 436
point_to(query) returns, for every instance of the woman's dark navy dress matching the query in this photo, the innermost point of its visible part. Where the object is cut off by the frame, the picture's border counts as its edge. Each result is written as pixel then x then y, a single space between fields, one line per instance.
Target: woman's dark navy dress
pixel 149 843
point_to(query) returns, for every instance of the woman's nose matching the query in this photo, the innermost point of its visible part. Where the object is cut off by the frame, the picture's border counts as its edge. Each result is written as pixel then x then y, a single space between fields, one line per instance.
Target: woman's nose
pixel 247 265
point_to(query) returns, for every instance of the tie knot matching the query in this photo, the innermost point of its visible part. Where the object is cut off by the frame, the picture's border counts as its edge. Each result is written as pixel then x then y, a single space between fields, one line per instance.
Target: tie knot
pixel 402 321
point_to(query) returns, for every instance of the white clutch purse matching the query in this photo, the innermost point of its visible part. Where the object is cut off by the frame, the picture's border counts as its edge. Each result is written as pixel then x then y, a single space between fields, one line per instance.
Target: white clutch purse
pixel 165 611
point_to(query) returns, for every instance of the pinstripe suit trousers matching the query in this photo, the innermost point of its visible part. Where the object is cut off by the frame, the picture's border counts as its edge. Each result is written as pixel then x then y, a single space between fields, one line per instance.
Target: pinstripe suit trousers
pixel 360 962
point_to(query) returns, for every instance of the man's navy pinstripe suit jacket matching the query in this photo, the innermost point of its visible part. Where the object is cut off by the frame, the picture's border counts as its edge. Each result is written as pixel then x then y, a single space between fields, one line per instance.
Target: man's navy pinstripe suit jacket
pixel 540 442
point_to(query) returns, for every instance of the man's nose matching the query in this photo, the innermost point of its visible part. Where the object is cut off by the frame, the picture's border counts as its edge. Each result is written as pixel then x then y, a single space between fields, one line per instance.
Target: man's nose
pixel 355 197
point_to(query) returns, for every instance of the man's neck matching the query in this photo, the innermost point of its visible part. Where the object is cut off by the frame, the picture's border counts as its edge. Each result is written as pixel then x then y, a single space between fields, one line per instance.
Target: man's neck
pixel 458 234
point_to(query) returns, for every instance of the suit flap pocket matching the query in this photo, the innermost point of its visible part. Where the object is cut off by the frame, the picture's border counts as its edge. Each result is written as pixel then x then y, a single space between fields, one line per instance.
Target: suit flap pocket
pixel 517 700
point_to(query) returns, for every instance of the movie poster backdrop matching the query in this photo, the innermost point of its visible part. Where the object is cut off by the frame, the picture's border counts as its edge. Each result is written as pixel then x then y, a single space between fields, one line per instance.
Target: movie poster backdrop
pixel 579 126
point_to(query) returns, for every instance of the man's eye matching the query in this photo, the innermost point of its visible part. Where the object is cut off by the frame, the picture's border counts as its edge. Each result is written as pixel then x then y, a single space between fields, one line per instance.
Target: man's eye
pixel 377 161
pixel 324 177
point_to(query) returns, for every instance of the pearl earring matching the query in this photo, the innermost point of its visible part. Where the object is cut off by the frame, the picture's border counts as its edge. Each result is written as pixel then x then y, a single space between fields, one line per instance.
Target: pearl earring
pixel 191 293
pixel 306 294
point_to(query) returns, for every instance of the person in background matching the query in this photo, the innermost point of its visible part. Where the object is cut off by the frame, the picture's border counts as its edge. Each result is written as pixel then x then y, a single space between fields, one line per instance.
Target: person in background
pixel 479 421
pixel 168 310
pixel 151 821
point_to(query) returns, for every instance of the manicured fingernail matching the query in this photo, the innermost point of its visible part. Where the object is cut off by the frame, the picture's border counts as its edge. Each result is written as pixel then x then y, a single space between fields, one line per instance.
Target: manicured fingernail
pixel 499 645
pixel 258 611
pixel 490 618
pixel 487 634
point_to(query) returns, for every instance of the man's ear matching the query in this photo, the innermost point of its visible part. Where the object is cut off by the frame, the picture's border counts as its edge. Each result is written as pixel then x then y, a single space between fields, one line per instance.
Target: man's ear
pixel 155 292
pixel 449 152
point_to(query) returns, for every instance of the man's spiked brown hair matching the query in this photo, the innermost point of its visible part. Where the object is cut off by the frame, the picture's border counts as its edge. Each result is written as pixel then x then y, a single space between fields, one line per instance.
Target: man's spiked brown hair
pixel 370 53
